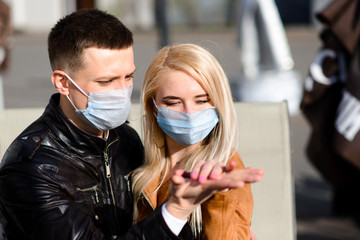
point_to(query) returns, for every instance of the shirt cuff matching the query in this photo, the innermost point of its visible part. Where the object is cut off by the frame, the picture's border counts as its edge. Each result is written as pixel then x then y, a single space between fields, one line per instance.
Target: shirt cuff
pixel 175 224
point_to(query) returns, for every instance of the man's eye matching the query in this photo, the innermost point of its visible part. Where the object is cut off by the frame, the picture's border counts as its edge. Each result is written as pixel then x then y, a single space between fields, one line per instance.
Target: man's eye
pixel 130 77
pixel 104 82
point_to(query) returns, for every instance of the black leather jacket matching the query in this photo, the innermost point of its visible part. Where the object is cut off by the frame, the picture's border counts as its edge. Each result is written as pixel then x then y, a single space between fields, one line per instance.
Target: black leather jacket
pixel 54 184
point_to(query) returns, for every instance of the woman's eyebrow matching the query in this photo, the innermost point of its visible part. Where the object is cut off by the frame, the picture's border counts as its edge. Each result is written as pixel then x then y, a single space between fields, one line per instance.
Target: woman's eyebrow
pixel 174 97
pixel 170 97
pixel 202 95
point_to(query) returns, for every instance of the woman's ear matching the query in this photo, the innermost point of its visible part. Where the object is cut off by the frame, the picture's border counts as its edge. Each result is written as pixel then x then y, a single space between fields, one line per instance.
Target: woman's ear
pixel 60 82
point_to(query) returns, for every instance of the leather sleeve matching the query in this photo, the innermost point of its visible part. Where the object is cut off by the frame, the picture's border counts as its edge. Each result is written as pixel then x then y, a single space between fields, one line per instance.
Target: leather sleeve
pixel 43 207
pixel 53 186
pixel 56 216
pixel 40 207
pixel 154 227
pixel 227 215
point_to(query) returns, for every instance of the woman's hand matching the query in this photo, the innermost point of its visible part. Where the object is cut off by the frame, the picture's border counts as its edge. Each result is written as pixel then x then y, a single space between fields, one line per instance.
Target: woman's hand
pixel 188 190
pixel 252 235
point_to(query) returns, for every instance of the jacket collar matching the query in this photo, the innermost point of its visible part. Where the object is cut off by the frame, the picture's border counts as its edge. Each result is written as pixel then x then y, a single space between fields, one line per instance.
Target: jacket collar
pixel 158 197
pixel 73 137
pixel 150 194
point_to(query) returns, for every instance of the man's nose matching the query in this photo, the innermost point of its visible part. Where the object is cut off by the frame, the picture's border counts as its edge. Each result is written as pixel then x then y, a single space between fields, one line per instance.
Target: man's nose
pixel 122 84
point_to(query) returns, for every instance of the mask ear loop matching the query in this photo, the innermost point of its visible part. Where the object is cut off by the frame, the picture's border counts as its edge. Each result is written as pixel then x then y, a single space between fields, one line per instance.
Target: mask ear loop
pixel 154 103
pixel 77 86
pixel 152 129
pixel 71 102
pixel 155 106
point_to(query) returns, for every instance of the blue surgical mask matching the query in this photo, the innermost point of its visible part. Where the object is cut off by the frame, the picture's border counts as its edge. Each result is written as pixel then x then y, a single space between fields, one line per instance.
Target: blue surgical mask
pixel 105 110
pixel 187 128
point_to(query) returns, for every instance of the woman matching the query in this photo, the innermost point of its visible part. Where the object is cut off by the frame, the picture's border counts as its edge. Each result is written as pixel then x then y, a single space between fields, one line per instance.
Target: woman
pixel 189 117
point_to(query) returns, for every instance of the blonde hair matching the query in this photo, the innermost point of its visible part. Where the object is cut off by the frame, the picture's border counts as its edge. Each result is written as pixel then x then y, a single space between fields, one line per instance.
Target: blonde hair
pixel 202 66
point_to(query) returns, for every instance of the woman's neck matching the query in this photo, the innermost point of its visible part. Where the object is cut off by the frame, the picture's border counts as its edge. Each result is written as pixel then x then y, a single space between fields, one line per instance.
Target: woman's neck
pixel 178 152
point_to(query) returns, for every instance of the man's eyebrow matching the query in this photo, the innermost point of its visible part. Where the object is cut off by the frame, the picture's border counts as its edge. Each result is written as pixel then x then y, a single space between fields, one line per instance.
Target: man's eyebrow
pixel 109 78
pixel 106 78
pixel 132 73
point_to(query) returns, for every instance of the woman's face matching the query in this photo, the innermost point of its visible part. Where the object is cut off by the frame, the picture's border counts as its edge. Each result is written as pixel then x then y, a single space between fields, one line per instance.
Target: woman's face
pixel 181 92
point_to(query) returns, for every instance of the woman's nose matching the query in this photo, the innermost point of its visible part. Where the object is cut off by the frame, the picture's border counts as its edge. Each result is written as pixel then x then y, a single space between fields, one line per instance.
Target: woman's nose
pixel 188 108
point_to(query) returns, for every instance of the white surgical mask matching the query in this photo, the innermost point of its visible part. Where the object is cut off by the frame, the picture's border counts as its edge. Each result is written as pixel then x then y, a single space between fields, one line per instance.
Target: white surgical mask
pixel 187 128
pixel 105 110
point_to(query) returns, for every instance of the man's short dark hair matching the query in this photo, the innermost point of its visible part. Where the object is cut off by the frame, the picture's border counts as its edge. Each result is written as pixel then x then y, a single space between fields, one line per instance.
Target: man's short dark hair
pixel 83 29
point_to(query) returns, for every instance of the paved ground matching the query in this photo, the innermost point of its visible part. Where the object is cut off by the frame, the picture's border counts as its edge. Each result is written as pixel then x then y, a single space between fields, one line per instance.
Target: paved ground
pixel 28 84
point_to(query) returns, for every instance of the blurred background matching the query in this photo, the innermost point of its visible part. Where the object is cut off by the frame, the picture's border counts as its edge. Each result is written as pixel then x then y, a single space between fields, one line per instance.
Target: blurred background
pixel 242 34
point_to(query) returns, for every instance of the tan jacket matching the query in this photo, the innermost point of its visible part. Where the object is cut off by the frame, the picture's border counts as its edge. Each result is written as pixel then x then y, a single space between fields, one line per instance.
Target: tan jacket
pixel 226 215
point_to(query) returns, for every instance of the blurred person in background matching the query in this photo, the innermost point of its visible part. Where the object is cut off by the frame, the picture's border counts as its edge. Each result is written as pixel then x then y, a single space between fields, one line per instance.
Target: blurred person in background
pixel 5 34
pixel 331 104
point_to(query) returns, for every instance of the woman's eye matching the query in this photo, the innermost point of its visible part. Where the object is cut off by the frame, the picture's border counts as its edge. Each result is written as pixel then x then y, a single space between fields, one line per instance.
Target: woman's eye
pixel 170 103
pixel 203 101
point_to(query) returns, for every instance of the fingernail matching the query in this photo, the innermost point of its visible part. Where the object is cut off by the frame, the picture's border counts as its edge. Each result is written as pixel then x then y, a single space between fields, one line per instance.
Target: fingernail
pixel 202 179
pixel 193 175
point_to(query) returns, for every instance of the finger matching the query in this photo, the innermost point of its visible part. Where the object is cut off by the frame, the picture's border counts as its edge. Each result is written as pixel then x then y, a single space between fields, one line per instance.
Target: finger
pixel 217 171
pixel 178 178
pixel 253 175
pixel 207 169
pixel 252 235
pixel 196 170
pixel 238 178
pixel 247 175
pixel 179 172
pixel 223 184
pixel 231 166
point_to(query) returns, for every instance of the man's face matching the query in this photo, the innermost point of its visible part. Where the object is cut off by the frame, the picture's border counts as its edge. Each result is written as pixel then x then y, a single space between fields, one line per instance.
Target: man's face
pixel 103 70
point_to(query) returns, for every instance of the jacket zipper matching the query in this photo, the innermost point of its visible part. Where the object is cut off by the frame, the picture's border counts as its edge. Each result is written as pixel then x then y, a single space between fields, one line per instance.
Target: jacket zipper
pixel 107 170
pixel 94 188
pixel 126 177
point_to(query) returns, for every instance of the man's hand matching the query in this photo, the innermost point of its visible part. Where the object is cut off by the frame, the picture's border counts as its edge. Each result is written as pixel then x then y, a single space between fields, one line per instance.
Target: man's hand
pixel 188 190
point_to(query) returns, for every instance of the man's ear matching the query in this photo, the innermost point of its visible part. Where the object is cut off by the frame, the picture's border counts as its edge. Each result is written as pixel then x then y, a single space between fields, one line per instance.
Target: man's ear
pixel 60 82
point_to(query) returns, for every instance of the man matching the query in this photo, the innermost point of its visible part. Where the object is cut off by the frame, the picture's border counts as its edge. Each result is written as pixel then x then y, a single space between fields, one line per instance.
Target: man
pixel 67 176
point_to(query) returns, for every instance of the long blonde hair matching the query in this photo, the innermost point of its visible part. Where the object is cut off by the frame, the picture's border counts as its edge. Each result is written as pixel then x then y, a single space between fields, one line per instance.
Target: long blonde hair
pixel 202 66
